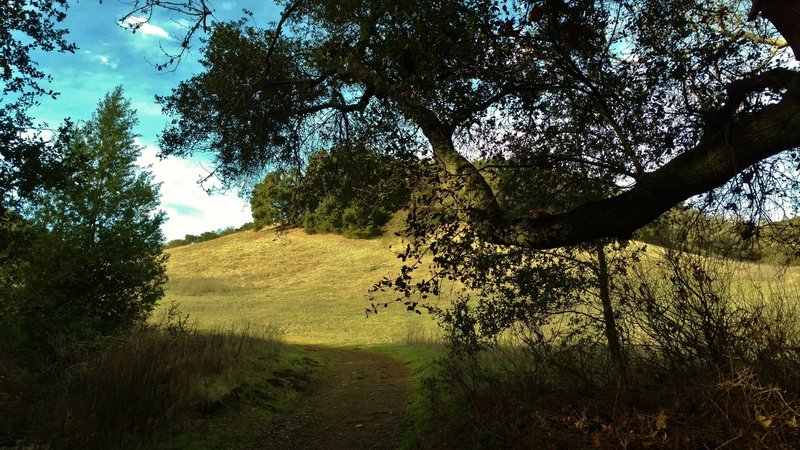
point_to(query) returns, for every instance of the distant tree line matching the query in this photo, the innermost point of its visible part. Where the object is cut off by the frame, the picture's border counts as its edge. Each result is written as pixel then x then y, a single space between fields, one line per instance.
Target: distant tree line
pixel 207 236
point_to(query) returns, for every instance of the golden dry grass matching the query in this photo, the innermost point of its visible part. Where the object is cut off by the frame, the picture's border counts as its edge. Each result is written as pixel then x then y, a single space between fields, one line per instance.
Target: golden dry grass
pixel 745 275
pixel 314 287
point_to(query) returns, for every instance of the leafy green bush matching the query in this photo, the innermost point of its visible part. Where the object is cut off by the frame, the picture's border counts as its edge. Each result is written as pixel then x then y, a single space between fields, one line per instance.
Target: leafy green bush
pixel 350 189
pixel 325 218
pixel 360 220
pixel 272 199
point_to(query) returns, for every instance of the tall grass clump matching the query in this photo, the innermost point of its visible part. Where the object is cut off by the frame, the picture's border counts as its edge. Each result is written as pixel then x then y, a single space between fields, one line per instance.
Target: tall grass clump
pixel 692 315
pixel 158 378
pixel 712 359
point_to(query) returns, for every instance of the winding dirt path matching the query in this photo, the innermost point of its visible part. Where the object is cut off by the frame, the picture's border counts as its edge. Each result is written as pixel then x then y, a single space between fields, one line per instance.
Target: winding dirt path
pixel 358 401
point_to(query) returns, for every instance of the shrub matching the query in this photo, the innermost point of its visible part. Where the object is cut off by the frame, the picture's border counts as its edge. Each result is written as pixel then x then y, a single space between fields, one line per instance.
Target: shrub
pixel 711 359
pixel 691 314
pixel 326 218
pixel 350 189
pixel 363 221
pixel 151 379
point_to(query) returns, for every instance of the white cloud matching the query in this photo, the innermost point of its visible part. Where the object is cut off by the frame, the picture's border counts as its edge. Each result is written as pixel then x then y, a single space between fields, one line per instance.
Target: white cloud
pixel 108 62
pixel 141 25
pixel 104 59
pixel 190 209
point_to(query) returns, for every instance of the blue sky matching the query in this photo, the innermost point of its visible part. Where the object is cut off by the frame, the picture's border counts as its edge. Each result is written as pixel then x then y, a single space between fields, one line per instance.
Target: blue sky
pixel 109 55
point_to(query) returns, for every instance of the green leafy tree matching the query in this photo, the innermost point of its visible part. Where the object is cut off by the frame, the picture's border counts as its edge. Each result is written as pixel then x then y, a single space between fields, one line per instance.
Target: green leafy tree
pixel 272 200
pixel 350 189
pixel 111 271
pixel 353 189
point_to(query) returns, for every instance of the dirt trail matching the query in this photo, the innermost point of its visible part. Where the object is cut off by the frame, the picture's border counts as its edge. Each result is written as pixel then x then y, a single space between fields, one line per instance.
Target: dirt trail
pixel 358 401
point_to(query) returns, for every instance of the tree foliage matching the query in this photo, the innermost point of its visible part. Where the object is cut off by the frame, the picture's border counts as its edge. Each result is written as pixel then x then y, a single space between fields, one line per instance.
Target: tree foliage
pixel 93 263
pixel 353 189
pixel 272 200
pixel 25 161
pixel 350 189
pixel 654 103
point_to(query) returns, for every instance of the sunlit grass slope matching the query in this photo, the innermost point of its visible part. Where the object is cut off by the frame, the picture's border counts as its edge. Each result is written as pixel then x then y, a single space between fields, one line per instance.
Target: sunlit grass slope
pixel 745 275
pixel 314 287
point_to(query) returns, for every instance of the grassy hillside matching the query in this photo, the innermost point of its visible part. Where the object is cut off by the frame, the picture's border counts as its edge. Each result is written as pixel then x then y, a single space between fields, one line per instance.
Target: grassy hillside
pixel 314 287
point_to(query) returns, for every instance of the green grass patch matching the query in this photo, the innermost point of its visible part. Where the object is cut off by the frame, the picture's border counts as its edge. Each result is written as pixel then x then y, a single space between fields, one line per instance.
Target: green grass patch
pixel 240 411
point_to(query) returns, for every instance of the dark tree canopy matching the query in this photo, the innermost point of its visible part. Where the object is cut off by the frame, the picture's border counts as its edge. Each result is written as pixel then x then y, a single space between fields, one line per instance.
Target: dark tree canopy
pixel 25 26
pixel 627 107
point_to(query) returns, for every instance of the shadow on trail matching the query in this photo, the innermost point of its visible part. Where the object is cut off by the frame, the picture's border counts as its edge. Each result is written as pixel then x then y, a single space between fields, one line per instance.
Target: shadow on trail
pixel 358 401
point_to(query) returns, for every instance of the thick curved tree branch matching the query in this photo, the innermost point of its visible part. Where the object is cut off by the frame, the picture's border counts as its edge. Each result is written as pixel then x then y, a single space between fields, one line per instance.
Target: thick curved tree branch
pixel 475 191
pixel 729 147
pixel 721 154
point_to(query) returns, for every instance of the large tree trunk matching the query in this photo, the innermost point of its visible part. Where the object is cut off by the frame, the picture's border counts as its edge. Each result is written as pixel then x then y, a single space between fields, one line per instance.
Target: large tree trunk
pixel 785 15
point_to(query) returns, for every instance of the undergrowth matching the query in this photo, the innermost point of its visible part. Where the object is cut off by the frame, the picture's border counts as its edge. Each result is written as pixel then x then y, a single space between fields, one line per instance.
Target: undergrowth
pixel 709 363
pixel 124 390
pixel 505 401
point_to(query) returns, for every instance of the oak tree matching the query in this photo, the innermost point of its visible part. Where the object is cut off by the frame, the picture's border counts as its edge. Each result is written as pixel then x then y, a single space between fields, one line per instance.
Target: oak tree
pixel 650 103
pixel 550 124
